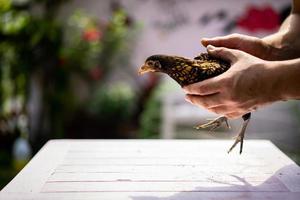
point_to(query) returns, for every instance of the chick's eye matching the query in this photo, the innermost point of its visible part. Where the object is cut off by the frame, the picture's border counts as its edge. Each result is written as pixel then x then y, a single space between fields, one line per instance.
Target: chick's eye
pixel 157 65
pixel 150 63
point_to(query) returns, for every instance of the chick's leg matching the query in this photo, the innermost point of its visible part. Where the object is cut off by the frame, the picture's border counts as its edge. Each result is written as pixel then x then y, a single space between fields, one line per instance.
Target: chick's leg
pixel 240 136
pixel 215 123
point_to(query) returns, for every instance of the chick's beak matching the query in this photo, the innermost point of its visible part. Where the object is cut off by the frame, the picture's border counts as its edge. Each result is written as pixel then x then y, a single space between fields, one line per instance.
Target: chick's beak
pixel 145 68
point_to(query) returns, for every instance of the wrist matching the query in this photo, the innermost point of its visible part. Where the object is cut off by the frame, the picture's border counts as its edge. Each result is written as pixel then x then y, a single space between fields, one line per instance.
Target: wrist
pixel 285 43
pixel 271 83
pixel 284 77
pixel 275 46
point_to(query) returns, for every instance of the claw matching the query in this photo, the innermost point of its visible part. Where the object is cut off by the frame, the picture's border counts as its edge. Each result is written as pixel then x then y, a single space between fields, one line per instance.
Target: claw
pixel 240 137
pixel 237 140
pixel 213 128
pixel 227 124
pixel 214 124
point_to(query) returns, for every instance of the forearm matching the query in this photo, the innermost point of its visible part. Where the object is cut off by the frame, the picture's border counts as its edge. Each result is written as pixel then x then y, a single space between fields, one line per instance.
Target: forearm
pixel 285 44
pixel 286 79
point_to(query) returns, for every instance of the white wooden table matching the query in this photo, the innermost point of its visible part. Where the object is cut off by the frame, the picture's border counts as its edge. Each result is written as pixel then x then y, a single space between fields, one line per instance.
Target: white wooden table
pixel 155 170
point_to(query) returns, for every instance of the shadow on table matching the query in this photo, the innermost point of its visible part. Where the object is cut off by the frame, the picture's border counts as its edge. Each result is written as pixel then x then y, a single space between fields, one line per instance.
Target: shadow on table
pixel 244 190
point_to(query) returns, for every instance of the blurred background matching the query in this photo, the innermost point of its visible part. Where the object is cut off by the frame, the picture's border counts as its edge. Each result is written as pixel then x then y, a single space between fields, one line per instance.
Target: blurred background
pixel 68 69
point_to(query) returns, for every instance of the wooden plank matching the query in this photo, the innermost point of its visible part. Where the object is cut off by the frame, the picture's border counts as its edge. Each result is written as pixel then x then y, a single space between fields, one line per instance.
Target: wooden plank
pixel 155 169
pixel 160 196
pixel 163 186
pixel 165 175
pixel 150 168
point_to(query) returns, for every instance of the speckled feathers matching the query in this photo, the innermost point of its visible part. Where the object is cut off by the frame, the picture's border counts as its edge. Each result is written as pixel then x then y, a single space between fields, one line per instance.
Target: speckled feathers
pixel 186 71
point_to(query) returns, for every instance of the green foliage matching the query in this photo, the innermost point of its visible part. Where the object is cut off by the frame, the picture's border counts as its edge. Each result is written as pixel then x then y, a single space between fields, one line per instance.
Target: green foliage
pixel 115 33
pixel 91 49
pixel 5 5
pixel 29 45
pixel 12 22
pixel 90 44
pixel 150 121
pixel 151 117
pixel 23 37
pixel 37 46
pixel 113 103
pixel 82 42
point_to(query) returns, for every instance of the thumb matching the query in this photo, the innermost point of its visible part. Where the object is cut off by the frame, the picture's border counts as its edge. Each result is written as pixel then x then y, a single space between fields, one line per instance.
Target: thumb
pixel 230 41
pixel 229 55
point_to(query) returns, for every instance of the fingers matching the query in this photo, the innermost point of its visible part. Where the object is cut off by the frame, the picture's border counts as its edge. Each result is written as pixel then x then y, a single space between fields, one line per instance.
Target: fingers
pixel 214 104
pixel 229 41
pixel 249 44
pixel 206 87
pixel 224 53
pixel 211 103
pixel 208 101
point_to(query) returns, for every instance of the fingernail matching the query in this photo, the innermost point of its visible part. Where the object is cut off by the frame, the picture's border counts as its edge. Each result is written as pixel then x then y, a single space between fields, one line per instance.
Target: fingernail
pixel 204 41
pixel 184 90
pixel 210 47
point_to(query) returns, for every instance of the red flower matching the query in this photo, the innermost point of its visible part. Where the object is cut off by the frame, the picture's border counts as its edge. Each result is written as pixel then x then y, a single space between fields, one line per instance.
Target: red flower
pixel 255 19
pixel 95 73
pixel 91 34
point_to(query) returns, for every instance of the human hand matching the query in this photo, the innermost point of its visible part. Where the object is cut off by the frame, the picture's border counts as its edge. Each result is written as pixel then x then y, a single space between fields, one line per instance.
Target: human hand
pixel 250 82
pixel 261 48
